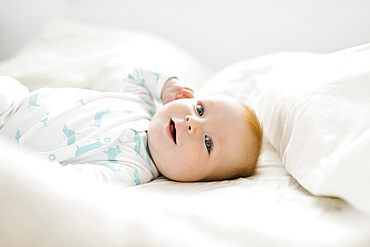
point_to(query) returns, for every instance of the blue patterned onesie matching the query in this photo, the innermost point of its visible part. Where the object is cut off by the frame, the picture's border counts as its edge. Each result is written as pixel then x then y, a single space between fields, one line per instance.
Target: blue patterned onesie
pixel 101 134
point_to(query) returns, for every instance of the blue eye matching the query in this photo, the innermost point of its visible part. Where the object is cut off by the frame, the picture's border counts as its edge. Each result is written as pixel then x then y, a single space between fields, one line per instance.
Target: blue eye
pixel 200 109
pixel 208 142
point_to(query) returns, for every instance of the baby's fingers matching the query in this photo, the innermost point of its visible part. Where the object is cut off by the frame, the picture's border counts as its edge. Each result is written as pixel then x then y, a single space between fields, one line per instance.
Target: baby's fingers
pixel 187 92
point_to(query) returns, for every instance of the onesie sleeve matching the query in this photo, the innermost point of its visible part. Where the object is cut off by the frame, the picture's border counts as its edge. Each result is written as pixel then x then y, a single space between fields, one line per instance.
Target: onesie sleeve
pixel 123 163
pixel 145 83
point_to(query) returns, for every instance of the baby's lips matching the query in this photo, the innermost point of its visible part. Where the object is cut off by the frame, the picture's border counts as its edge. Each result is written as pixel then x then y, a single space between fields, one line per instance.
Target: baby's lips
pixel 173 130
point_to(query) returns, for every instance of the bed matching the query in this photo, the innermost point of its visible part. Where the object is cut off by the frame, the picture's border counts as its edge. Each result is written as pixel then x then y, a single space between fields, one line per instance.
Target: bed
pixel 312 183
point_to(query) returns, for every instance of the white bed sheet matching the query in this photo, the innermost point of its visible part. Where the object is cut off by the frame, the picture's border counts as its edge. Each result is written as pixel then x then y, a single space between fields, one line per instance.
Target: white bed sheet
pixel 42 205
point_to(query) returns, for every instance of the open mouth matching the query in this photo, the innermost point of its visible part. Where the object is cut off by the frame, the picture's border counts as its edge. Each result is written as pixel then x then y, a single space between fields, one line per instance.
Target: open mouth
pixel 173 131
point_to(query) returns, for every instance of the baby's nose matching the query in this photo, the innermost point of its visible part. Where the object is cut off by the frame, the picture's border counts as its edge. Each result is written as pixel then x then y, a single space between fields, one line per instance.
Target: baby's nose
pixel 188 125
pixel 192 123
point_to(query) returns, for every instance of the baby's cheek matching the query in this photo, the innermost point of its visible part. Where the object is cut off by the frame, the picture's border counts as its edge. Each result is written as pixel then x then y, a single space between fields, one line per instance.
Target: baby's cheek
pixel 185 171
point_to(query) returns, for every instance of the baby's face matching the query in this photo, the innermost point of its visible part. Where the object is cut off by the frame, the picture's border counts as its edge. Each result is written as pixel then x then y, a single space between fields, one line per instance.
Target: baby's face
pixel 199 139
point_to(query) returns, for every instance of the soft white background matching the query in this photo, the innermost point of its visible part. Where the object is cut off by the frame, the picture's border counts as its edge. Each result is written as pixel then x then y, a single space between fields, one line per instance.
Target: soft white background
pixel 269 209
pixel 219 32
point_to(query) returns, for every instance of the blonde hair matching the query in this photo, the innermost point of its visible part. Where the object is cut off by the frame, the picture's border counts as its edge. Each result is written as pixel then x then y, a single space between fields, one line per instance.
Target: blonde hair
pixel 253 123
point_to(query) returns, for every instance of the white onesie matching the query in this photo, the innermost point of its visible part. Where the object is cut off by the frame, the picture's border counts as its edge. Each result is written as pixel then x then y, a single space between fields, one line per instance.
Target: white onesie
pixel 101 134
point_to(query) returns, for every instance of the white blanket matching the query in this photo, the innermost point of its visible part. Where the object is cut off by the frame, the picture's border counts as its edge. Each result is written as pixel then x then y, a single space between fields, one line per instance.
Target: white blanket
pixel 321 124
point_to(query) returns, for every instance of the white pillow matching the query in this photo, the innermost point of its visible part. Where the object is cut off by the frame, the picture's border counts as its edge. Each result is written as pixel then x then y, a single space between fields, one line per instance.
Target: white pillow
pixel 75 54
pixel 319 121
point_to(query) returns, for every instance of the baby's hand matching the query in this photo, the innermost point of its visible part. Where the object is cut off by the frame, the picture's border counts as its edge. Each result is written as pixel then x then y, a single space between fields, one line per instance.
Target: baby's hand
pixel 173 90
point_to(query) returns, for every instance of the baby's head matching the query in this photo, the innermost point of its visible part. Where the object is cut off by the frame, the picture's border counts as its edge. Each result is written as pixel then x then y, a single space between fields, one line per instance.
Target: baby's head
pixel 204 139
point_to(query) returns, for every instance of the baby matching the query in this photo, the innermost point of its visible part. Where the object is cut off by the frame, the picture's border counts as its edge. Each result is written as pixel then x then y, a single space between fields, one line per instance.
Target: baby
pixel 120 138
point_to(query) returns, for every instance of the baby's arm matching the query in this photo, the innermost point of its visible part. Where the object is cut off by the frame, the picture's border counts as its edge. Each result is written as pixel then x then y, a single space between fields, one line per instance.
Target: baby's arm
pixel 145 83
pixel 158 86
